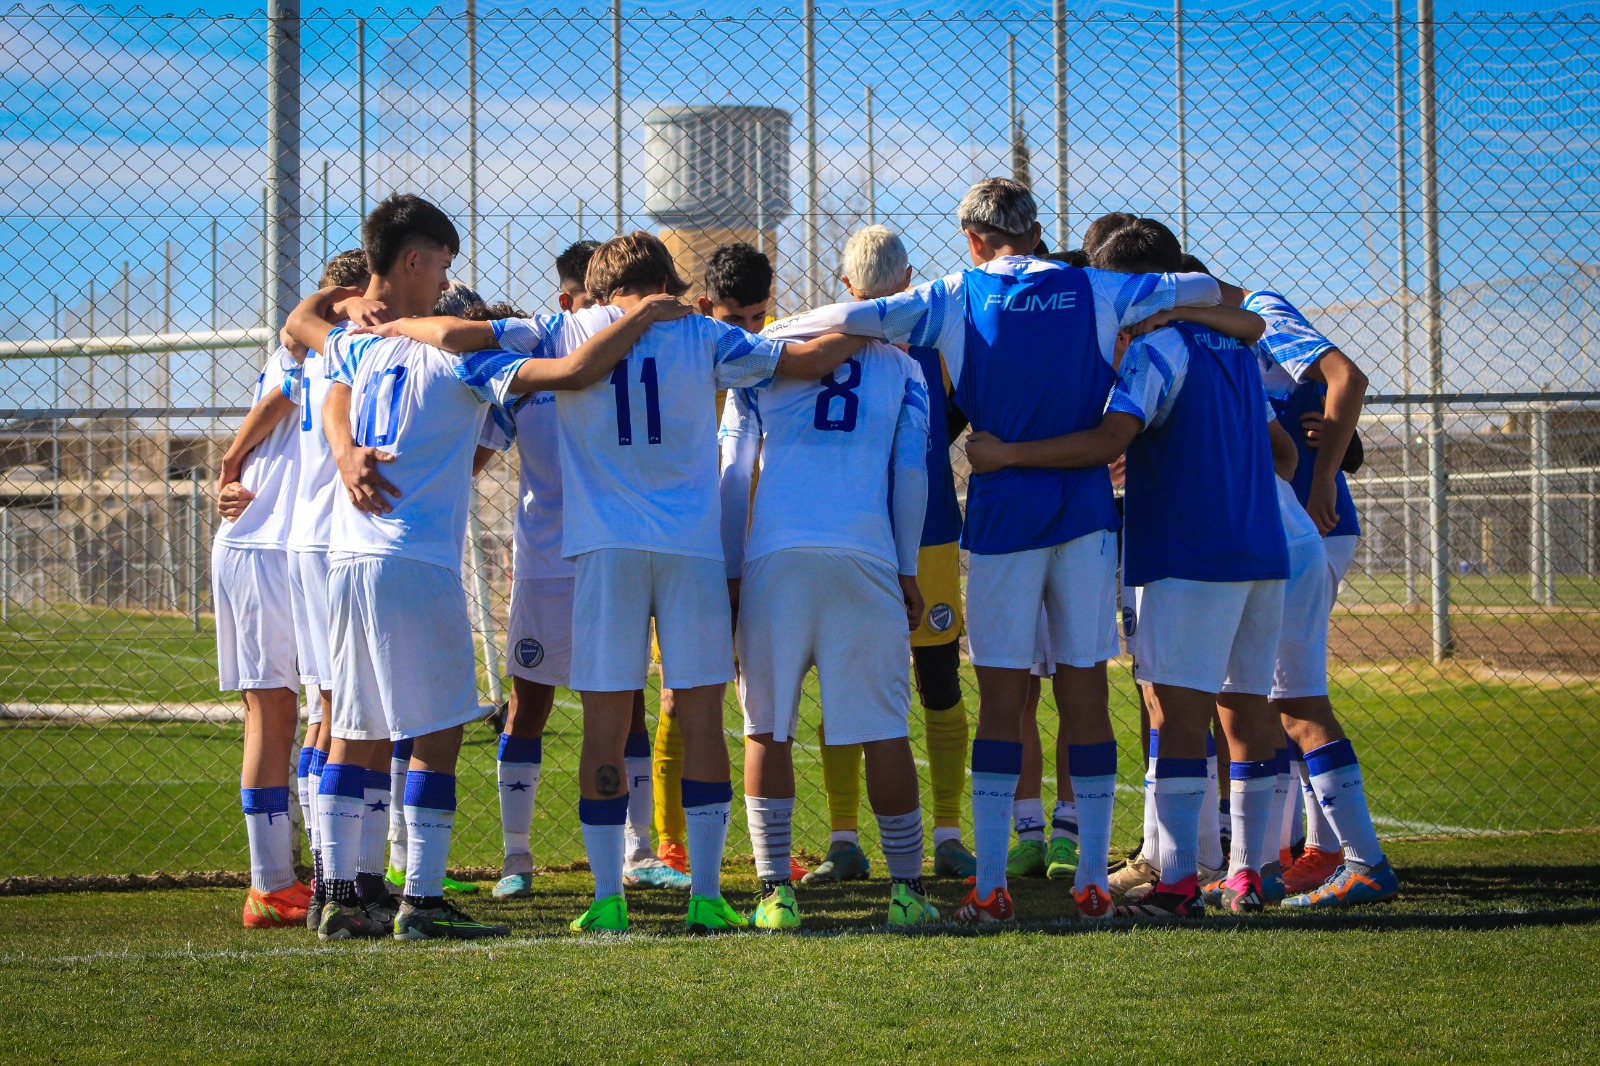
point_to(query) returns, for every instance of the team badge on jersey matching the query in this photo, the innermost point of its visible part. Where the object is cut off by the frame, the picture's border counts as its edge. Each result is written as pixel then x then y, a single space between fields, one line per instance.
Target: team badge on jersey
pixel 941 616
pixel 530 652
pixel 1130 621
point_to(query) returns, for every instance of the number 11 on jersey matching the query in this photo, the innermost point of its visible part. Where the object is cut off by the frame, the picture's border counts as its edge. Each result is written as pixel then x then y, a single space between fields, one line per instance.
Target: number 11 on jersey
pixel 652 401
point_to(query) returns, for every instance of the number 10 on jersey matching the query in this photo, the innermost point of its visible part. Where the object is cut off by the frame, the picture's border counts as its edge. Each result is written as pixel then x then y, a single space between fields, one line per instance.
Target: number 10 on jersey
pixel 652 401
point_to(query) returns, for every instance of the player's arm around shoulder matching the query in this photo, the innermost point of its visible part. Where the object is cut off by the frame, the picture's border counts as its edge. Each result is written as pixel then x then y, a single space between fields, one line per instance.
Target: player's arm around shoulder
pixel 595 357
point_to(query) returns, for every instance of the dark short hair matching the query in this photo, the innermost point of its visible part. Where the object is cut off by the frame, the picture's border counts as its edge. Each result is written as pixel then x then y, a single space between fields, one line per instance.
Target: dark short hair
pixel 572 265
pixel 738 274
pixel 1103 227
pixel 482 312
pixel 1188 264
pixel 1073 257
pixel 348 268
pixel 636 260
pixel 400 223
pixel 1143 246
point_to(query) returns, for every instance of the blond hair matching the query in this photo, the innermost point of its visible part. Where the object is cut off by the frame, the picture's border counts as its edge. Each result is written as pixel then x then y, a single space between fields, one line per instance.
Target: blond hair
pixel 875 262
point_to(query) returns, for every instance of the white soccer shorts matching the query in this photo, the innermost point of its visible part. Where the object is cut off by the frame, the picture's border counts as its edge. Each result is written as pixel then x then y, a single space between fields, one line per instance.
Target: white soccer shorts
pixel 255 628
pixel 1341 553
pixel 840 611
pixel 403 664
pixel 1302 667
pixel 617 592
pixel 1077 584
pixel 1214 636
pixel 308 595
pixel 539 631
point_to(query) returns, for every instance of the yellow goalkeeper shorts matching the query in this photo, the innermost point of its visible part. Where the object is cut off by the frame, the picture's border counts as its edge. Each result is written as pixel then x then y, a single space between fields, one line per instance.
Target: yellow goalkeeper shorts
pixel 939 578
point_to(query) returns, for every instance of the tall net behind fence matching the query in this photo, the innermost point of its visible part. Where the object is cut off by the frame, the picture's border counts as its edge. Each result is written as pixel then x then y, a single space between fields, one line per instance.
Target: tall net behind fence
pixel 134 235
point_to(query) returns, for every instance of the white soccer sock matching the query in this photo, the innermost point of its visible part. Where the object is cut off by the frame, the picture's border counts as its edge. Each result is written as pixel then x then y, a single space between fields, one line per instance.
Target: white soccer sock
pixel 771 834
pixel 1283 805
pixel 1094 788
pixel 517 767
pixel 399 765
pixel 847 836
pixel 1319 834
pixel 602 822
pixel 706 805
pixel 1151 848
pixel 1254 812
pixel 430 800
pixel 901 838
pixel 1064 822
pixel 941 833
pixel 1027 818
pixel 271 835
pixel 377 800
pixel 341 805
pixel 996 766
pixel 641 796
pixel 1342 795
pixel 1210 854
pixel 302 780
pixel 1180 792
pixel 319 763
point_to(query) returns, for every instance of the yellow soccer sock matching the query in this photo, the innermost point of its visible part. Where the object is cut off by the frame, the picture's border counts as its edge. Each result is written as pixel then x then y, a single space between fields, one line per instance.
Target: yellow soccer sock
pixel 666 772
pixel 841 776
pixel 946 733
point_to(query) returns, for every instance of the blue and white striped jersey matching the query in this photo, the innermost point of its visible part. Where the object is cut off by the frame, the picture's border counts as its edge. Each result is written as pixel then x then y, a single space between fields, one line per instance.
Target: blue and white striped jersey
pixel 271 470
pixel 424 406
pixel 319 485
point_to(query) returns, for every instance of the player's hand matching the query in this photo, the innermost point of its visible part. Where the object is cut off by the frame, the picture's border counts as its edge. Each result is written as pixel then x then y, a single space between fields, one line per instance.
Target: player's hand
pixel 912 594
pixel 986 452
pixel 1119 470
pixel 662 307
pixel 232 499
pixel 1311 423
pixel 390 328
pixel 366 487
pixel 1151 324
pixel 297 351
pixel 1323 504
pixel 363 312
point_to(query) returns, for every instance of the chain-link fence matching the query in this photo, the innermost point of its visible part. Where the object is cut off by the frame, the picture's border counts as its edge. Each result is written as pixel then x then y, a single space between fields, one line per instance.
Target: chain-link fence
pixel 157 218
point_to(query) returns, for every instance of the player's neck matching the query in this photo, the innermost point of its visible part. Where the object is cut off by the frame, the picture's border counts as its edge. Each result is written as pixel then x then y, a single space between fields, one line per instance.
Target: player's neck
pixel 626 300
pixel 397 299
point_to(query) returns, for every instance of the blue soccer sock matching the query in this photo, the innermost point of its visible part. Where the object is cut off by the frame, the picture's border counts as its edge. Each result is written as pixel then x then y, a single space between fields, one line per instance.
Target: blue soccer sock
pixel 1180 792
pixel 636 763
pixel 518 766
pixel 430 800
pixel 996 767
pixel 341 804
pixel 1094 788
pixel 602 821
pixel 1253 789
pixel 706 805
pixel 1342 795
pixel 271 836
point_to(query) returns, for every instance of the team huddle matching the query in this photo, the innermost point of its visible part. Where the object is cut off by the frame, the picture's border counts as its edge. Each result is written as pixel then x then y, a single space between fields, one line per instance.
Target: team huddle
pixel 817 527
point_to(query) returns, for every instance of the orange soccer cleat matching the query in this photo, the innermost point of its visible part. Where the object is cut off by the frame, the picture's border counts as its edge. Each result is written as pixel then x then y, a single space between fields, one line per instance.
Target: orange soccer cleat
pixel 1311 870
pixel 996 907
pixel 674 855
pixel 268 910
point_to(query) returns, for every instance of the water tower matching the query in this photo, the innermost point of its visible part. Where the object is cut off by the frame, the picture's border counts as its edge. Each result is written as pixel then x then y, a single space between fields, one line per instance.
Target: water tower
pixel 716 176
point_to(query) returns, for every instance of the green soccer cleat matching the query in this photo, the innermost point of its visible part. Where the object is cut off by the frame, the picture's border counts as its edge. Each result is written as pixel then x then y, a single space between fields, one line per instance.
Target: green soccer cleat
pixel 711 914
pixel 845 862
pixel 397 878
pixel 609 915
pixel 777 910
pixel 1061 859
pixel 444 922
pixel 908 907
pixel 952 859
pixel 1025 859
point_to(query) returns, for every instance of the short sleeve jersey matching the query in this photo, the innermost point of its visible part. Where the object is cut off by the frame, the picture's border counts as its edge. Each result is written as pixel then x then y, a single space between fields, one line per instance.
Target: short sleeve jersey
pixel 638 454
pixel 319 483
pixel 827 451
pixel 270 471
pixel 425 407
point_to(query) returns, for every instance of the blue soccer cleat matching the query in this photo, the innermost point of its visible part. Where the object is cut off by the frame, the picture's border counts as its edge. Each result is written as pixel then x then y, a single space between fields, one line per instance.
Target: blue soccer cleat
pixel 1352 884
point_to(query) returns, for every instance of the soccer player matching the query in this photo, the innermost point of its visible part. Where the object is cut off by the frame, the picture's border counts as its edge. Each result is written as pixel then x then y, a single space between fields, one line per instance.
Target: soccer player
pixel 401 641
pixel 255 636
pixel 828 579
pixel 1317 391
pixel 1204 549
pixel 1028 343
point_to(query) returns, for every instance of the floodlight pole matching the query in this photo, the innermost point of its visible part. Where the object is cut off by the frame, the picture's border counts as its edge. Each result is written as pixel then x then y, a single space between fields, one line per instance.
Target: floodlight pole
pixel 1183 127
pixel 813 254
pixel 472 143
pixel 283 175
pixel 616 117
pixel 1438 487
pixel 361 112
pixel 1059 18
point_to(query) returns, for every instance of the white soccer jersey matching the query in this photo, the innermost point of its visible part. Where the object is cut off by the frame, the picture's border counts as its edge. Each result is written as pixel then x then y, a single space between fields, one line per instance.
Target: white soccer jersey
pixel 536 539
pixel 638 455
pixel 270 471
pixel 934 314
pixel 826 452
pixel 319 484
pixel 1289 347
pixel 423 406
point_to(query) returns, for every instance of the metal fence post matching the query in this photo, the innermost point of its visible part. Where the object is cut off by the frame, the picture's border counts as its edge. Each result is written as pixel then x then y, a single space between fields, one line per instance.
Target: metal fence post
pixel 1408 509
pixel 1183 124
pixel 283 157
pixel 1540 535
pixel 1059 28
pixel 616 119
pixel 5 564
pixel 813 254
pixel 1438 487
pixel 480 586
pixel 472 143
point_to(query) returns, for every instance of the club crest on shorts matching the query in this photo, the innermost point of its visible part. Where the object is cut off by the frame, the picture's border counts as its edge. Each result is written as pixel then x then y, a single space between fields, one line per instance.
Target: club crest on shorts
pixel 941 616
pixel 1130 621
pixel 530 652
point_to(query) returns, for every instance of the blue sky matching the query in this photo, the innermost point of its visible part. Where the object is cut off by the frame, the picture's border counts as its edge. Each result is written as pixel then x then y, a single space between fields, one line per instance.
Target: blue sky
pixel 123 137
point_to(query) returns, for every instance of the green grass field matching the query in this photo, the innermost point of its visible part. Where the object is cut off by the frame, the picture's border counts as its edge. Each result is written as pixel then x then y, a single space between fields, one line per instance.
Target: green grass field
pixel 1444 751
pixel 1493 956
